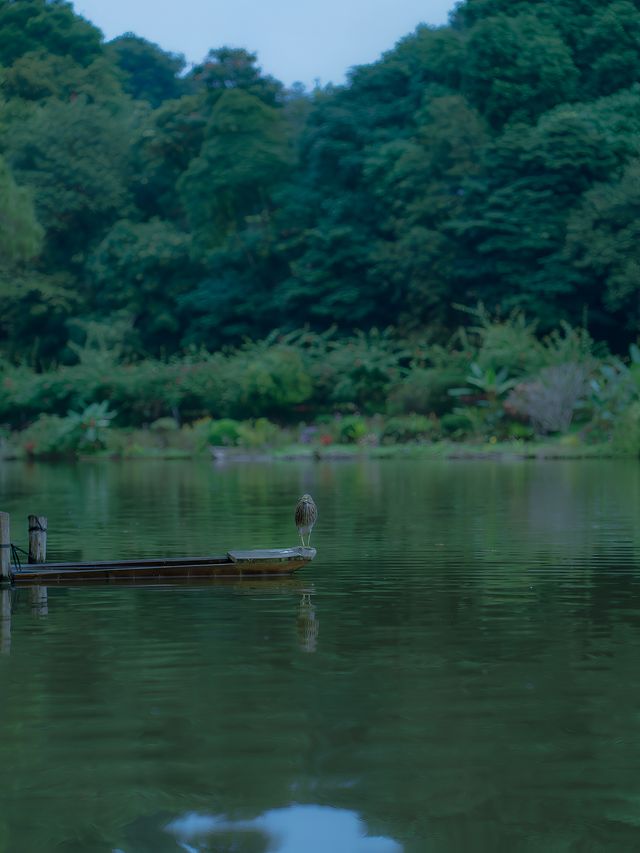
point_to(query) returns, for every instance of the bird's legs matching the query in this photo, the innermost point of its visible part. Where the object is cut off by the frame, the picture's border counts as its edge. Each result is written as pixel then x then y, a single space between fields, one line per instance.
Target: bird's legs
pixel 301 538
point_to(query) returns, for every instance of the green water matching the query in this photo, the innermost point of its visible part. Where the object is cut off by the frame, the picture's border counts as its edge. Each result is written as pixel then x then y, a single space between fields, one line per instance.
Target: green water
pixel 457 671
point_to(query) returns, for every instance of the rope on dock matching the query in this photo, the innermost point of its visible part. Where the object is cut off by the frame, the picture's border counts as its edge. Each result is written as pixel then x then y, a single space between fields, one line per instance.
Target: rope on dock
pixel 15 554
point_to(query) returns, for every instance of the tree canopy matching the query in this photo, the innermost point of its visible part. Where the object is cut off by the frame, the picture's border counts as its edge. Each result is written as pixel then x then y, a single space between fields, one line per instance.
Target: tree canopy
pixel 493 160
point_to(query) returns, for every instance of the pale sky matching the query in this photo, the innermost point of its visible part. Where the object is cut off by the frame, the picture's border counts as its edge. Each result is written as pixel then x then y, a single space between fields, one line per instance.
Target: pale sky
pixel 295 39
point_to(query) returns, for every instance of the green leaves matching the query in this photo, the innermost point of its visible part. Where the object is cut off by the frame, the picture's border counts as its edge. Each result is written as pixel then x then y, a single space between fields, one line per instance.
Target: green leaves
pixel 244 155
pixel 516 68
pixel 74 158
pixel 20 233
pixel 487 161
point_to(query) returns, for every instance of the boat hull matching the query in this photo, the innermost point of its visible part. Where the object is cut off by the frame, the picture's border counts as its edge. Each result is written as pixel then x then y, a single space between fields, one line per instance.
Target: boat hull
pixel 234 564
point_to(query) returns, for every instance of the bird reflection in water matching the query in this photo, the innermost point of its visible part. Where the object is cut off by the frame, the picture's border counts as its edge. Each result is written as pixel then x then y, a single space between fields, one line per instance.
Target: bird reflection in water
pixel 307 623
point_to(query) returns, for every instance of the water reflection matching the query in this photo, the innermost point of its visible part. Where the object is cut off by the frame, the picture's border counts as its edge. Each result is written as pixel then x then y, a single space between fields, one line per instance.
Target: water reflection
pixel 39 600
pixel 5 617
pixel 297 829
pixel 307 624
pixel 474 686
pixel 306 621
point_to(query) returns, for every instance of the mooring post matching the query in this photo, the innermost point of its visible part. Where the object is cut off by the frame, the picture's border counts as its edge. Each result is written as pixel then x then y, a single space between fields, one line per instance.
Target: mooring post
pixel 5 619
pixel 37 538
pixel 5 546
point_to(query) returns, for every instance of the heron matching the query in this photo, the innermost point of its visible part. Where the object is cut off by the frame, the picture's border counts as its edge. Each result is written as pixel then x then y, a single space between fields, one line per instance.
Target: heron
pixel 306 517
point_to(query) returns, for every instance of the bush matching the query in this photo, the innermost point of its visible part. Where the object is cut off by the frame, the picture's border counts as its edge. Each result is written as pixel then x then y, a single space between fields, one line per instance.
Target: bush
pixel 549 401
pixel 626 434
pixel 425 391
pixel 223 433
pixel 46 436
pixel 356 372
pixel 456 425
pixel 78 432
pixel 401 430
pixel 259 433
pixel 509 344
pixel 352 429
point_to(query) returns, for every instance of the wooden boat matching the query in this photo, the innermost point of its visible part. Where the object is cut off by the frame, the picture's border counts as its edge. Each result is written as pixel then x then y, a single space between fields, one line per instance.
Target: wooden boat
pixel 234 564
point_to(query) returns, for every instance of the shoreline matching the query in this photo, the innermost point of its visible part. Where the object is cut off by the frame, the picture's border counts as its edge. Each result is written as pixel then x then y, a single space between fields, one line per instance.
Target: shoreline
pixel 508 451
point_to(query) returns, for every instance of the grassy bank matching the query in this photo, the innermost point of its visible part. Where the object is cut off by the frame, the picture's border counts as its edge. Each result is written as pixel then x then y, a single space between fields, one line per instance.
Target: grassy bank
pixel 301 442
pixel 494 387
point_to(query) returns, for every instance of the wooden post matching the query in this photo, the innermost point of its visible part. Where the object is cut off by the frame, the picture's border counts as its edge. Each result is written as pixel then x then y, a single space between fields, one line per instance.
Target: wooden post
pixel 5 619
pixel 5 546
pixel 37 538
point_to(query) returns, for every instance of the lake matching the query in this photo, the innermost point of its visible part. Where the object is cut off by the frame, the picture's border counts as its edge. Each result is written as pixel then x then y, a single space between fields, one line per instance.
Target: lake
pixel 456 672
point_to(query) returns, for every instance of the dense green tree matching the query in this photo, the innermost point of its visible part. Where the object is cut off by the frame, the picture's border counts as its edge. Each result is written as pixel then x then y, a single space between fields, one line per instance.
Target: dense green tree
pixel 516 67
pixel 38 75
pixel 611 48
pixel 149 73
pixel 143 268
pixel 603 243
pixel 33 307
pixel 420 182
pixel 166 143
pixel 513 230
pixel 46 25
pixel 234 68
pixel 492 160
pixel 244 155
pixel 20 232
pixel 74 157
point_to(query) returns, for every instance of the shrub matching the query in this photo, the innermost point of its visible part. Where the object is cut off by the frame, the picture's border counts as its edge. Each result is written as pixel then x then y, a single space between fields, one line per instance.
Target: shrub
pixel 258 433
pixel 626 434
pixel 84 432
pixel 509 344
pixel 549 401
pixel 264 378
pixel 456 424
pixel 352 429
pixel 356 372
pixel 425 390
pixel 223 433
pixel 45 436
pixel 400 430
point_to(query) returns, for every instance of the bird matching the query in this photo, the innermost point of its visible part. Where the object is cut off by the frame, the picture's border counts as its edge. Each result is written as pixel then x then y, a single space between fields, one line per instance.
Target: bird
pixel 306 516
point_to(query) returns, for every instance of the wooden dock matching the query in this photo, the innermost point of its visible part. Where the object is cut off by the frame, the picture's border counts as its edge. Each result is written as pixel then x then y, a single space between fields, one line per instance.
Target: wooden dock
pixel 234 564
pixel 273 562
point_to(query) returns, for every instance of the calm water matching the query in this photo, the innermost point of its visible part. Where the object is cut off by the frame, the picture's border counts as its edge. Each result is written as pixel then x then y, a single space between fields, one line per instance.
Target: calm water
pixel 457 671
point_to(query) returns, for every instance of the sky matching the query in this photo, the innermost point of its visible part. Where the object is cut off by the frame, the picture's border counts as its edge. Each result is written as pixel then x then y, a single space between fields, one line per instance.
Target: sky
pixel 296 40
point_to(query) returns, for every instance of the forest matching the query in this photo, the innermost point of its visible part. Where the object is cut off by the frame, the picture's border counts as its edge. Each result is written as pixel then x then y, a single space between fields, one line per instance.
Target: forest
pixel 479 181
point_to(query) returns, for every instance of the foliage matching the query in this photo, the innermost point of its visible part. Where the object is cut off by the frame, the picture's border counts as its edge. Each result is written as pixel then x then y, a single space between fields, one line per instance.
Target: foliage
pixel 492 384
pixel 493 161
pixel 51 25
pixel 425 390
pixel 357 371
pixel 78 432
pixel 73 156
pixel 457 424
pixel 549 401
pixel 626 433
pixel 408 428
pixel 351 429
pixel 224 432
pixel 20 233
pixel 149 73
